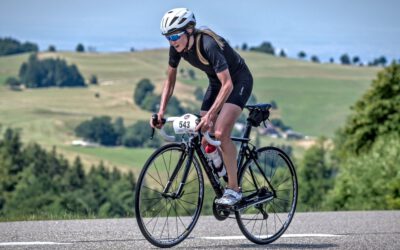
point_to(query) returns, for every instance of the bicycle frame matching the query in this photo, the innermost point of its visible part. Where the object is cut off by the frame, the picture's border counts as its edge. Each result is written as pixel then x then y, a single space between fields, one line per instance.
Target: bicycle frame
pixel 245 156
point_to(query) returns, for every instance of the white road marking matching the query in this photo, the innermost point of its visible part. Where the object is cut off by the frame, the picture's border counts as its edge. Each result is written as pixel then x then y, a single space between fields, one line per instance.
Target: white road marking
pixel 32 243
pixel 241 237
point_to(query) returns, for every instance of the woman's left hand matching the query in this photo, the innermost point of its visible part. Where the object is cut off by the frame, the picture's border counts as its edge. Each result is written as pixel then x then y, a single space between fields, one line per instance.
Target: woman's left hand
pixel 207 122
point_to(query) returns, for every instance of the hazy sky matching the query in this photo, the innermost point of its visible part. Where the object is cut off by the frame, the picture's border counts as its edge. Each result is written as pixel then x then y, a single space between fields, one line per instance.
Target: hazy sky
pixel 368 28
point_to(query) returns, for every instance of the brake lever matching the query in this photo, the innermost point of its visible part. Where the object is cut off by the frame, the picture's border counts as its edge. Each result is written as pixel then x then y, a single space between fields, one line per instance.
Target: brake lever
pixel 154 121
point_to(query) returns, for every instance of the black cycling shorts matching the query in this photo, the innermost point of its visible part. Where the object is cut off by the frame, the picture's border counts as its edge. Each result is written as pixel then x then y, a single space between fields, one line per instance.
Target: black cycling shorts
pixel 242 87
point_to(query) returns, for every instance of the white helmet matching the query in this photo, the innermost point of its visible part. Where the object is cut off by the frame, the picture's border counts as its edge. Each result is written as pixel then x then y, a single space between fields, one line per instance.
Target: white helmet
pixel 177 19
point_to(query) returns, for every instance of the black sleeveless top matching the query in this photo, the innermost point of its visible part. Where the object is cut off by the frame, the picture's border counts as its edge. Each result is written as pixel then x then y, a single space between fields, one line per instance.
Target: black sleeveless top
pixel 219 59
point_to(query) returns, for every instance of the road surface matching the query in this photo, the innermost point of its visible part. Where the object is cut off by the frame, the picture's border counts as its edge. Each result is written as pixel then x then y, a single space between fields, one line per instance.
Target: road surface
pixel 325 230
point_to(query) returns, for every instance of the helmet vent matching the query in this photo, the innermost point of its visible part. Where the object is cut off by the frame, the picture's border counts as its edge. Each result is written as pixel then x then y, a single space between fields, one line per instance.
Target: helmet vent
pixel 173 20
pixel 165 24
pixel 183 20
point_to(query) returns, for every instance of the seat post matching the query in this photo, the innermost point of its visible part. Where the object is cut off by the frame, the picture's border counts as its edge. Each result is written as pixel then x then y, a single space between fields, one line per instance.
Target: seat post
pixel 247 130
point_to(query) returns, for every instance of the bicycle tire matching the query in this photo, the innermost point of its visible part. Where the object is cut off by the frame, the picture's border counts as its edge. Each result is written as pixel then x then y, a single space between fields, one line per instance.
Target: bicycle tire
pixel 280 172
pixel 154 212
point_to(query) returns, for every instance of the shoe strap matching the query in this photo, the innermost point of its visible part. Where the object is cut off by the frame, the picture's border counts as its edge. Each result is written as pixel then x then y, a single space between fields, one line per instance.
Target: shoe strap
pixel 231 192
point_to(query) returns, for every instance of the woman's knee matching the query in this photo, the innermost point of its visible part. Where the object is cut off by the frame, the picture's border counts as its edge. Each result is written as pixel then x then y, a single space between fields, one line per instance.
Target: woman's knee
pixel 222 134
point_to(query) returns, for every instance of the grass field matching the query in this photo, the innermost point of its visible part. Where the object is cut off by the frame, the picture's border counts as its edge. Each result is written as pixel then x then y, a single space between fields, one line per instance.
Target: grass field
pixel 313 99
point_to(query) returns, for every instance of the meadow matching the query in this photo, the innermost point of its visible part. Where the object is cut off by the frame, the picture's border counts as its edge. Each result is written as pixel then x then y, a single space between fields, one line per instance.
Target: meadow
pixel 313 99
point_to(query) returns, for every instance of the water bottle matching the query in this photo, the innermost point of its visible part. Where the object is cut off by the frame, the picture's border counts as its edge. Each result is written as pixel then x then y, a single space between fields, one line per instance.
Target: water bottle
pixel 213 154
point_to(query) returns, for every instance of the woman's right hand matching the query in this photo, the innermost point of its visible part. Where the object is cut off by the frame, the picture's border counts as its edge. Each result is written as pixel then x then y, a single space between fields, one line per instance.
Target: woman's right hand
pixel 159 124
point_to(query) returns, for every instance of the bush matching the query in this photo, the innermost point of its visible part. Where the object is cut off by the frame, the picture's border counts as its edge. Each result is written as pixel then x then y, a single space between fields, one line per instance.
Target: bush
pixel 369 181
pixel 93 80
pixel 99 130
pixel 13 83
pixel 143 88
pixel 138 135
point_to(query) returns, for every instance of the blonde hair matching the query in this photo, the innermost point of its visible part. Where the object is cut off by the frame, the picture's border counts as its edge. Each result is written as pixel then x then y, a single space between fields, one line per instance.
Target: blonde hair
pixel 207 31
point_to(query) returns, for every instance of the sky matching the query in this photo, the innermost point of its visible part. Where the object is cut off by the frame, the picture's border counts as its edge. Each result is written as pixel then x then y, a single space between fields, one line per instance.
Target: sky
pixel 368 28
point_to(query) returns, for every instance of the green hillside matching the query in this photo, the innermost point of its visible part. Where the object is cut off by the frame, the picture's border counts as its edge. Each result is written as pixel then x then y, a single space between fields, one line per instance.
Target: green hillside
pixel 312 98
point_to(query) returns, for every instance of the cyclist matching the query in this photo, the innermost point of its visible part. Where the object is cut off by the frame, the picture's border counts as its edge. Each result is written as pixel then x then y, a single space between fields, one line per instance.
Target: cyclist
pixel 230 85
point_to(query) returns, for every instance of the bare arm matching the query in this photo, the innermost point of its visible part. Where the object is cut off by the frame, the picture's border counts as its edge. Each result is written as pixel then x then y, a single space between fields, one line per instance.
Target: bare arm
pixel 167 92
pixel 227 86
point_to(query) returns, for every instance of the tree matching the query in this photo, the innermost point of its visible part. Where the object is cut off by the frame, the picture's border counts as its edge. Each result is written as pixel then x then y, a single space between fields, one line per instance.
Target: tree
pixel 98 129
pixel 316 177
pixel 252 99
pixel 282 53
pixel 265 47
pixel 381 61
pixel 49 72
pixel 174 106
pixel 151 103
pixel 138 135
pixel 52 48
pixel 356 59
pixel 302 55
pixel 119 129
pixel 34 182
pixel 80 48
pixel 93 80
pixel 192 74
pixel 375 114
pixel 245 46
pixel 315 59
pixel 369 181
pixel 198 93
pixel 274 105
pixel 345 59
pixel 10 46
pixel 143 88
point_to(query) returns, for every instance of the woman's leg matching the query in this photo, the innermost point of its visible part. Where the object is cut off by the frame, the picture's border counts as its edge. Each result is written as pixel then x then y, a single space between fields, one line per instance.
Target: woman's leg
pixel 223 128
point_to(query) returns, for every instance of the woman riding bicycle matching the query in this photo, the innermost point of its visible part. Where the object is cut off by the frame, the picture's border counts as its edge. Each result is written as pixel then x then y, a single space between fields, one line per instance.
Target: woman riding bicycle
pixel 230 85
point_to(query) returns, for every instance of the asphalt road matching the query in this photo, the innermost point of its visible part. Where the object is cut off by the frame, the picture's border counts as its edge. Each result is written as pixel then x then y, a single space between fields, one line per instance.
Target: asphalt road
pixel 330 230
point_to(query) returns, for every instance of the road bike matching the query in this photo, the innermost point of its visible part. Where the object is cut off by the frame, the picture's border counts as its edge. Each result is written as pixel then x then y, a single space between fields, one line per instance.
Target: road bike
pixel 170 189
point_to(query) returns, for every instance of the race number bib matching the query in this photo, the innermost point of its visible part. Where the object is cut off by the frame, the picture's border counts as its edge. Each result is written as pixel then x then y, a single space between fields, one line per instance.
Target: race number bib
pixel 185 124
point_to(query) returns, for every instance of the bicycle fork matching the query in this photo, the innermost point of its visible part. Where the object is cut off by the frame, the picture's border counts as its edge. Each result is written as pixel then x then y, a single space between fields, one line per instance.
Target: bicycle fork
pixel 178 167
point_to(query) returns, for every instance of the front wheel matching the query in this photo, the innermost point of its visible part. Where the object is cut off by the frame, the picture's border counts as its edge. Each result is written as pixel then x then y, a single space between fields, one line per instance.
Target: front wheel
pixel 269 183
pixel 164 218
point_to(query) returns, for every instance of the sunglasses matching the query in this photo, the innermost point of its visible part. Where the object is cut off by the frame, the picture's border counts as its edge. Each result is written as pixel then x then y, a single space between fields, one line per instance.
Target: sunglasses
pixel 175 37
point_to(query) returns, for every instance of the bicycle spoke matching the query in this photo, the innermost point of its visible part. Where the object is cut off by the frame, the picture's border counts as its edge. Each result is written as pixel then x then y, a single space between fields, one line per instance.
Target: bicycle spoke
pixel 191 181
pixel 152 190
pixel 155 165
pixel 188 202
pixel 152 205
pixel 158 213
pixel 162 231
pixel 255 221
pixel 287 179
pixel 184 208
pixel 194 192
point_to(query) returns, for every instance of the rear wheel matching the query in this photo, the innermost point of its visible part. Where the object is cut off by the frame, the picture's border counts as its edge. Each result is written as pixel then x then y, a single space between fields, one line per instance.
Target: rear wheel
pixel 270 183
pixel 166 219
